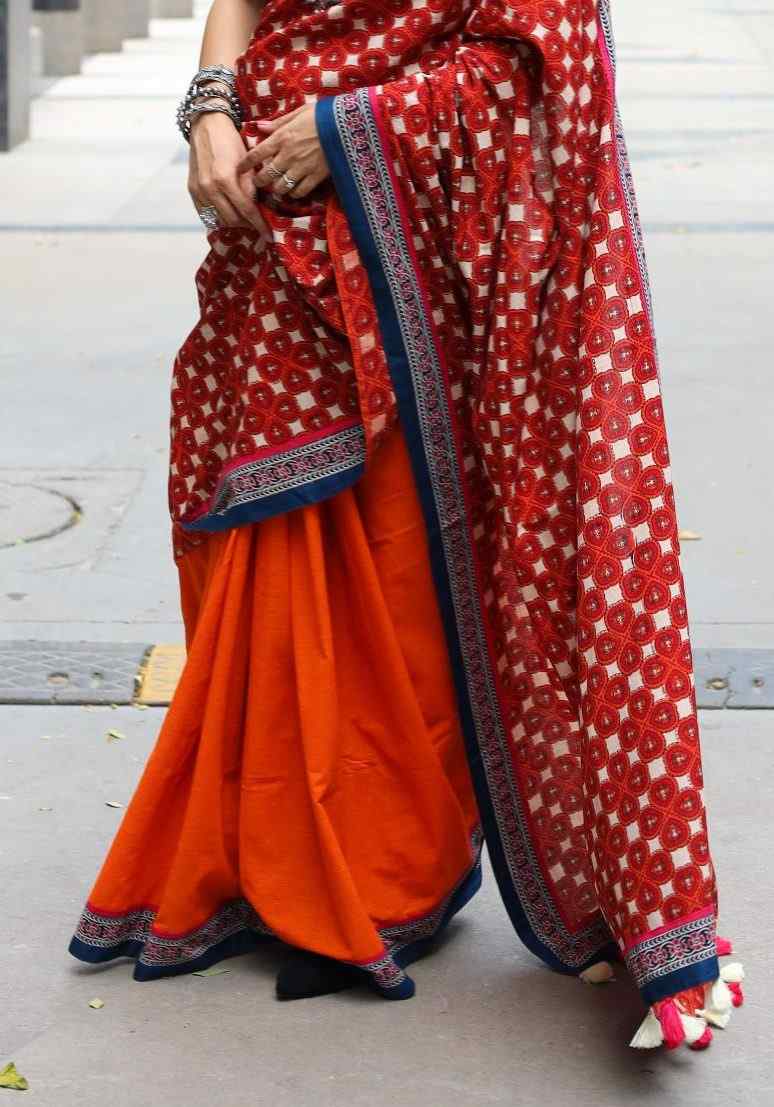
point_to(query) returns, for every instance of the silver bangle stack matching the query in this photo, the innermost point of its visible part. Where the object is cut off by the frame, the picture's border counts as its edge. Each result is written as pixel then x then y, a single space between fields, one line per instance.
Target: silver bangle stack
pixel 213 88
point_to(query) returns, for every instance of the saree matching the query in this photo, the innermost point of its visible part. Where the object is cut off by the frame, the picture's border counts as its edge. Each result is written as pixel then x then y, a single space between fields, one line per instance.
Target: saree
pixel 474 272
pixel 309 781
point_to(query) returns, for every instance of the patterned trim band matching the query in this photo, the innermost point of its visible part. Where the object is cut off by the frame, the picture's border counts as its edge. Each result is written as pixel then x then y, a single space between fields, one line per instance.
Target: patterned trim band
pixel 349 132
pixel 304 473
pixel 237 927
pixel 675 949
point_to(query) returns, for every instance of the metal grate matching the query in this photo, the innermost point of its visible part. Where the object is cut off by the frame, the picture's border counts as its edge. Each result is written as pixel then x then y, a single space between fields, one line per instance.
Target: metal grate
pixel 69 672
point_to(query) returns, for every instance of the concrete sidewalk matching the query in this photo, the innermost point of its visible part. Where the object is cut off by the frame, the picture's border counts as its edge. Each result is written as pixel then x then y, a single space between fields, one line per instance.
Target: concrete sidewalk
pixel 489 1023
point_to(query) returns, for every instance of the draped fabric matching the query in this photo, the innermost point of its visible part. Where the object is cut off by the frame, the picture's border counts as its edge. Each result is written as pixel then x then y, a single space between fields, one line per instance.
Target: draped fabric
pixel 309 781
pixel 475 268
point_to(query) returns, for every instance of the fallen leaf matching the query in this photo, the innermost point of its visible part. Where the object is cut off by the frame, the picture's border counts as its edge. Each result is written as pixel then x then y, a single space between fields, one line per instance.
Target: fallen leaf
pixel 115 735
pixel 214 970
pixel 689 536
pixel 45 809
pixel 96 1003
pixel 10 1078
pixel 113 803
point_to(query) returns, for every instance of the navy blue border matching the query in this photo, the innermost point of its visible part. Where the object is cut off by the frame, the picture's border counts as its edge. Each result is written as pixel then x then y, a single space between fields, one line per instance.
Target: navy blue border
pixel 247 940
pixel 279 503
pixel 704 972
pixel 243 941
pixel 400 373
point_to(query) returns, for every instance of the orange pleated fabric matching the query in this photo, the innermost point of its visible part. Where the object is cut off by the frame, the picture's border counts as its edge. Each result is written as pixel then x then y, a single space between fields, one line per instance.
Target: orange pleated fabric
pixel 309 780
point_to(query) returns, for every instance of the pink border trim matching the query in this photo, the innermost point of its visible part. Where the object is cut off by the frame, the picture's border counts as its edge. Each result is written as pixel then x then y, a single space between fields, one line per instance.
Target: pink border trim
pixel 296 443
pixel 700 913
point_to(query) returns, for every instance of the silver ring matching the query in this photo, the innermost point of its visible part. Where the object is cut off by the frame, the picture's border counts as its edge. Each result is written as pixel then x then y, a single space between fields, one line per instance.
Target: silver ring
pixel 289 181
pixel 273 169
pixel 209 216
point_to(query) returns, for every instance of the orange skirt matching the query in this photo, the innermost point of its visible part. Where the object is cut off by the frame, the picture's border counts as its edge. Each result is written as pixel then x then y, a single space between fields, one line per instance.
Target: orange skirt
pixel 309 781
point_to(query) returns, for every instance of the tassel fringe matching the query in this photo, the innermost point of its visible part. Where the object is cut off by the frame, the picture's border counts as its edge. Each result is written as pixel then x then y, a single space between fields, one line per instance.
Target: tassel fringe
pixel 688 1017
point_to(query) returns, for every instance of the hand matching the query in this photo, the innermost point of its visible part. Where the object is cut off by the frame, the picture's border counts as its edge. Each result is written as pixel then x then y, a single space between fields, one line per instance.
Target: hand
pixel 292 147
pixel 216 151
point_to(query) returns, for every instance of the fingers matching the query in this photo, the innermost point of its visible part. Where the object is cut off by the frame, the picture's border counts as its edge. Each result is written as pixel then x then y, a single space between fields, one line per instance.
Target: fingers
pixel 311 181
pixel 235 207
pixel 248 196
pixel 264 151
pixel 228 215
pixel 270 176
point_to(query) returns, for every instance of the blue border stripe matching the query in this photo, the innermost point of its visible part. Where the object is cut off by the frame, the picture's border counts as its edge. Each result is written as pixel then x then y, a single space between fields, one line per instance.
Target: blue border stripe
pixel 280 502
pixel 400 371
pixel 705 972
pixel 243 941
pixel 247 940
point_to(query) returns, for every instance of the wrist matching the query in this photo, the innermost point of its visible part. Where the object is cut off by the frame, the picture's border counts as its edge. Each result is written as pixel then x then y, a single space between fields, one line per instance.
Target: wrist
pixel 212 121
pixel 212 91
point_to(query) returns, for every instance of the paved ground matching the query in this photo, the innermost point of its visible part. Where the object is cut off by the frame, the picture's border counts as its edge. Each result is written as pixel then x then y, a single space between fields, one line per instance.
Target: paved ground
pixel 489 1024
pixel 102 245
pixel 106 245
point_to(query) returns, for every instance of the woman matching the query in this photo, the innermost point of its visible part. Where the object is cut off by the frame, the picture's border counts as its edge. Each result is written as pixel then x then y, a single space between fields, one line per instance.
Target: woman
pixel 424 523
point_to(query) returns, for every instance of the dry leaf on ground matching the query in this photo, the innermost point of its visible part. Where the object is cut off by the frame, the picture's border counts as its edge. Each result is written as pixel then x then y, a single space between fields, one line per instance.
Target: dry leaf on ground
pixel 96 1003
pixel 214 970
pixel 689 536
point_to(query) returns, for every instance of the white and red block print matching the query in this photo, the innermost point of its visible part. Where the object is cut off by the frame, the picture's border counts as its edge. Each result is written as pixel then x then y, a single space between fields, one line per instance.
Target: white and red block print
pixel 479 264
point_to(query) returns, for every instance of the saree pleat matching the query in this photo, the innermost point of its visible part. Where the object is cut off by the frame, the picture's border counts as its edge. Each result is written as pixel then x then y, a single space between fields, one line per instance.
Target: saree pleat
pixel 309 781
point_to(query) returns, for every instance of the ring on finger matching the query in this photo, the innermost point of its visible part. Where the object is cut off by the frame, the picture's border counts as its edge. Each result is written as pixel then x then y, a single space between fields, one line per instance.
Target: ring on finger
pixel 274 171
pixel 289 181
pixel 209 216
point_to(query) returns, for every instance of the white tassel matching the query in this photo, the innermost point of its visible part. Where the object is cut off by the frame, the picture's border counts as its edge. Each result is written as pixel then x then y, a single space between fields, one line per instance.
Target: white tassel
pixel 694 1028
pixel 720 998
pixel 720 1001
pixel 733 973
pixel 600 973
pixel 721 1019
pixel 649 1033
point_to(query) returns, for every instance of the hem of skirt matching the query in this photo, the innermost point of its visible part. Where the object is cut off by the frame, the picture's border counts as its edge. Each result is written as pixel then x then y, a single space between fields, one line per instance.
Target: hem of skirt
pixel 403 943
pixel 705 972
pixel 678 955
pixel 246 941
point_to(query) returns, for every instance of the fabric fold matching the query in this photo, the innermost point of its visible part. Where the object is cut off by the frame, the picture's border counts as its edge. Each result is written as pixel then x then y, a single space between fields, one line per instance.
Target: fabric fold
pixel 309 782
pixel 491 204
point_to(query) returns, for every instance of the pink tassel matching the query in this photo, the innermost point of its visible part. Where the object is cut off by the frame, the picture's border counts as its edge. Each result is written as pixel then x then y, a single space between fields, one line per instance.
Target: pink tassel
pixel 737 994
pixel 671 1024
pixel 724 947
pixel 702 1042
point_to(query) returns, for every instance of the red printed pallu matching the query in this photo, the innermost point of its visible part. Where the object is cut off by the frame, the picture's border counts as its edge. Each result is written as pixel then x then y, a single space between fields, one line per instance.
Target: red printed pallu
pixel 475 270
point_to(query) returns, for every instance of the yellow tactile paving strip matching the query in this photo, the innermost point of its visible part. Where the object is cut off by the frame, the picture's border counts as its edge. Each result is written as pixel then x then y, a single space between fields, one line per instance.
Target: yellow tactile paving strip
pixel 160 672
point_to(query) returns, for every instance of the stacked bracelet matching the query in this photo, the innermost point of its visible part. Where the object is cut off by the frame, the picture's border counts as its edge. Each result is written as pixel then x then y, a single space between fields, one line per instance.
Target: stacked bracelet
pixel 213 88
